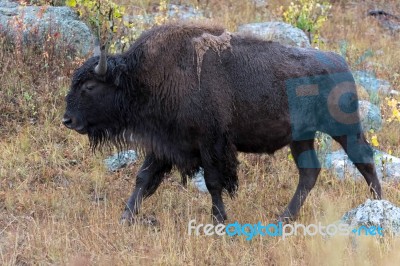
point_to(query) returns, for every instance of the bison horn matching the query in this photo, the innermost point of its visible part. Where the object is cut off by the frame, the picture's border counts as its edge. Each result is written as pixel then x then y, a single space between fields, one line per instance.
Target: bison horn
pixel 101 68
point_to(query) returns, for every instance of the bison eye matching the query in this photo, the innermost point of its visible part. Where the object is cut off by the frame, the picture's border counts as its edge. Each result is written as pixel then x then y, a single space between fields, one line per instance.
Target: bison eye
pixel 87 89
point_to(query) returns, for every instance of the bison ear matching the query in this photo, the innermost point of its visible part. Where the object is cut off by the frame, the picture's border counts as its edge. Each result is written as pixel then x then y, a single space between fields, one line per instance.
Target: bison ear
pixel 119 73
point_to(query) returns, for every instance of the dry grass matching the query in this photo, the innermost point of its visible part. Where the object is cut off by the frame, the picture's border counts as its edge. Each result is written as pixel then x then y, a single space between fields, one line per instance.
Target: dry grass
pixel 58 205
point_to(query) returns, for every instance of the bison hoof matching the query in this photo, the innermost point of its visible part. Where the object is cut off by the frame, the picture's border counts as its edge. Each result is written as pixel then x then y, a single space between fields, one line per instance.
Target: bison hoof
pixel 219 219
pixel 128 218
pixel 285 219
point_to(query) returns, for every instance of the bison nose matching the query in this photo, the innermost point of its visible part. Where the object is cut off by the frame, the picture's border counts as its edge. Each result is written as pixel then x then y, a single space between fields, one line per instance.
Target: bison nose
pixel 67 121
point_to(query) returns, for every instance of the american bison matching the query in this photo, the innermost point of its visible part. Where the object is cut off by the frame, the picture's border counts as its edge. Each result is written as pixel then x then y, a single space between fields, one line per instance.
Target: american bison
pixel 192 95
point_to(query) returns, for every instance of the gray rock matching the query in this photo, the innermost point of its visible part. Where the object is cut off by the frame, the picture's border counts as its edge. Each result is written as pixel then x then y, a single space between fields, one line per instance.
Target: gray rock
pixel 39 22
pixel 4 4
pixel 120 160
pixel 371 117
pixel 376 213
pixel 387 166
pixel 372 84
pixel 199 182
pixel 277 31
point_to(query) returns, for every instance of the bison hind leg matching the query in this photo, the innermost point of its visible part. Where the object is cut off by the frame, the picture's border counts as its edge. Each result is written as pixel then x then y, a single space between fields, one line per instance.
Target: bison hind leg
pixel 361 154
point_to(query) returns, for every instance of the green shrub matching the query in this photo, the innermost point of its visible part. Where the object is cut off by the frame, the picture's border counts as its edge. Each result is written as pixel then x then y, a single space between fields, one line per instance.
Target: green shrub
pixel 307 15
pixel 106 20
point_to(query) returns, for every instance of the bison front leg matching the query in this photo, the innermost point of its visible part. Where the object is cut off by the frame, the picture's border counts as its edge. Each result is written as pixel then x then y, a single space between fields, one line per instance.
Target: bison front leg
pixel 219 163
pixel 147 181
pixel 309 167
pixel 215 188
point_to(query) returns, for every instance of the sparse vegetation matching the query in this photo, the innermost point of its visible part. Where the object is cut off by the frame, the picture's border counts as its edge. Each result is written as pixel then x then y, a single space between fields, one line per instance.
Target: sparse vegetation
pixel 106 20
pixel 308 15
pixel 58 205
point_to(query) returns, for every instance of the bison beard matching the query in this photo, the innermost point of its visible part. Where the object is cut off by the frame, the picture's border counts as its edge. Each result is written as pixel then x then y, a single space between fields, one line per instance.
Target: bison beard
pixel 192 95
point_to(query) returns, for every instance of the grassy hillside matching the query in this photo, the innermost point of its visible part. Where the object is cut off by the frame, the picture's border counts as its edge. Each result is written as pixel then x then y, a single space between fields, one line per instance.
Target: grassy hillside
pixel 59 205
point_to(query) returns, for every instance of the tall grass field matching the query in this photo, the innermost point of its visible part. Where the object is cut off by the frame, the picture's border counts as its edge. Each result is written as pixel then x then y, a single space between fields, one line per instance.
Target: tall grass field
pixel 60 206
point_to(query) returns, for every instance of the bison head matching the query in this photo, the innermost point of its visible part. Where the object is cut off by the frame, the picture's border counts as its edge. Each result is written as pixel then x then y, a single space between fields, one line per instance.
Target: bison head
pixel 96 100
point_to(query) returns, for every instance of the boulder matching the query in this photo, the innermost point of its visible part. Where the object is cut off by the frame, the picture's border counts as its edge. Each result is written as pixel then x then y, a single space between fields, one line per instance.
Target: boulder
pixel 377 213
pixel 199 182
pixel 387 166
pixel 120 160
pixel 372 84
pixel 277 31
pixel 370 114
pixel 35 24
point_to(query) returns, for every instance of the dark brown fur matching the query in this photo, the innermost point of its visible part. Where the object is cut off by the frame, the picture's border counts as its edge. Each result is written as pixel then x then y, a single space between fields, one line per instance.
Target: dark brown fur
pixel 192 95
